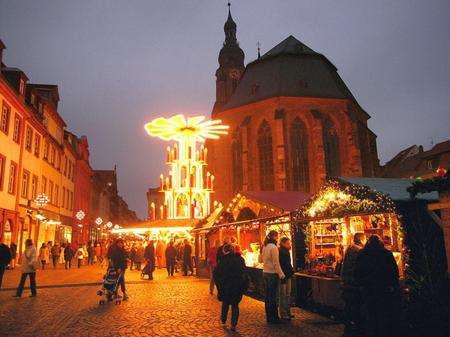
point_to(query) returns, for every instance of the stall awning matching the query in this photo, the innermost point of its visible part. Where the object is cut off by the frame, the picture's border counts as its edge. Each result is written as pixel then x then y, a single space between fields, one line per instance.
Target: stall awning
pixel 286 200
pixel 209 221
pixel 163 223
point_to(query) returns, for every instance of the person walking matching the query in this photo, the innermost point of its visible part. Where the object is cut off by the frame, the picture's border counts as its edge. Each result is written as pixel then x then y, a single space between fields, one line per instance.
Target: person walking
pixel 376 272
pixel 187 258
pixel 118 257
pixel 149 256
pixel 13 248
pixel 55 252
pixel 272 275
pixel 68 256
pixel 171 258
pixel 139 257
pixel 29 266
pixel 212 264
pixel 351 294
pixel 286 282
pixel 80 256
pixel 90 253
pixel 160 254
pixel 98 253
pixel 132 256
pixel 44 255
pixel 5 259
pixel 231 284
pixel 226 241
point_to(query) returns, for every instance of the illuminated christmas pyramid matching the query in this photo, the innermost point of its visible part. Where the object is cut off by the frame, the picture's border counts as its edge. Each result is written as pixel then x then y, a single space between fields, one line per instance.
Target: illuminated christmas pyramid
pixel 188 187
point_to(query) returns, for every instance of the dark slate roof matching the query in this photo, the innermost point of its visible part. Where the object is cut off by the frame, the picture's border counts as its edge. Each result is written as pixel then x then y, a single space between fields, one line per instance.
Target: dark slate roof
pixel 290 69
pixel 395 188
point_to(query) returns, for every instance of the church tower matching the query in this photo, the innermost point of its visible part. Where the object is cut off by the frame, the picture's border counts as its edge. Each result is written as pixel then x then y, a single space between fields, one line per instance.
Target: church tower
pixel 231 65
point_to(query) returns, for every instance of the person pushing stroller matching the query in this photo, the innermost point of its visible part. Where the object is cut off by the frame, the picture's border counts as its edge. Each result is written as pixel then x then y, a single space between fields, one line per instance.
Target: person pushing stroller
pixel 118 256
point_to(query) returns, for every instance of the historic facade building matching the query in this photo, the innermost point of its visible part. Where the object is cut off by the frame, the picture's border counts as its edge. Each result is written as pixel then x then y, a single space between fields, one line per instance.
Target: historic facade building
pixel 293 121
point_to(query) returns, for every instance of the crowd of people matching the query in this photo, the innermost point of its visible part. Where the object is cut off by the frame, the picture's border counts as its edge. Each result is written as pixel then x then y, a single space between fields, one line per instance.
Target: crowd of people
pixel 369 273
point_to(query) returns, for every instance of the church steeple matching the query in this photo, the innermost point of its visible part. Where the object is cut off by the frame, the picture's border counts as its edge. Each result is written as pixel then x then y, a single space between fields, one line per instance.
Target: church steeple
pixel 231 64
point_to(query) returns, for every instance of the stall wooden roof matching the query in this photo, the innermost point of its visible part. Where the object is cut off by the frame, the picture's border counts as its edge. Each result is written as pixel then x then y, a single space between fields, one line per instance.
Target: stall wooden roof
pixel 286 201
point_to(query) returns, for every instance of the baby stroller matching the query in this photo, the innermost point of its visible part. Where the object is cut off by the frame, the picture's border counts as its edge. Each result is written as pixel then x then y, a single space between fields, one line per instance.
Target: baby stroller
pixel 147 270
pixel 109 291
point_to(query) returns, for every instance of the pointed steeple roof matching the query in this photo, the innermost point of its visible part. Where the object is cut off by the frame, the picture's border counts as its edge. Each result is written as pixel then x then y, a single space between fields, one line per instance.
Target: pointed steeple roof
pixel 289 46
pixel 229 24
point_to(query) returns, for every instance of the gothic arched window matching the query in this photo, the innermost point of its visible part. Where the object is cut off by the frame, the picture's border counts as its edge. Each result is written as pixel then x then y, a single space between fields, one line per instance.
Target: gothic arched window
pixel 266 181
pixel 299 154
pixel 331 149
pixel 236 154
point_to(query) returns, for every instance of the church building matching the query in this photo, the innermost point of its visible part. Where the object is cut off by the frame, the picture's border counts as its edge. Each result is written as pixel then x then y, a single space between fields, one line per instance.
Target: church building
pixel 293 121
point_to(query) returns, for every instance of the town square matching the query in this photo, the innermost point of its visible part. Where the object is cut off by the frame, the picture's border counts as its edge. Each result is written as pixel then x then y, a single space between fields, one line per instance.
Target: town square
pixel 224 168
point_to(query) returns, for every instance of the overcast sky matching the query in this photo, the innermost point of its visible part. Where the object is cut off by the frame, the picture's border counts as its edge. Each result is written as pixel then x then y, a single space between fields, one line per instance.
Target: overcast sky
pixel 119 64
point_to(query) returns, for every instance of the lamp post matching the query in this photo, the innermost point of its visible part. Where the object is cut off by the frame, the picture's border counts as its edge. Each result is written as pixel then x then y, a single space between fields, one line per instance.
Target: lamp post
pixel 80 216
pixel 41 201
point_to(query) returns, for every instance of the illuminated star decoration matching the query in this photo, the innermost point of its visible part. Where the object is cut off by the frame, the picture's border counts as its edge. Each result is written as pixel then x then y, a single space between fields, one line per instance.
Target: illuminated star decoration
pixel 178 126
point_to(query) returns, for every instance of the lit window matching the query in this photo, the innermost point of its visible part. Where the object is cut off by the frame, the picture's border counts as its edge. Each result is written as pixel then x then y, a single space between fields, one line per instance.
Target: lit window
pixel 17 126
pixel 25 184
pixel 37 145
pixel 34 187
pixel 2 170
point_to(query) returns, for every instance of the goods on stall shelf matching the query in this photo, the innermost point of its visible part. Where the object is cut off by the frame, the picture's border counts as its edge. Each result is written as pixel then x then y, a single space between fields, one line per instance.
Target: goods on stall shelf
pixel 339 211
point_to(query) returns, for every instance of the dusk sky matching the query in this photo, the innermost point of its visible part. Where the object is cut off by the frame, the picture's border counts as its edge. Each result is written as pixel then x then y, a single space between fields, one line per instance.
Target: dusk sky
pixel 119 64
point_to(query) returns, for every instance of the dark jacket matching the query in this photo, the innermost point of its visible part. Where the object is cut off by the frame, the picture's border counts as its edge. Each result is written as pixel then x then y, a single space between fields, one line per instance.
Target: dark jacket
pixel 349 264
pixel 139 255
pixel 187 252
pixel 376 271
pixel 285 262
pixel 5 255
pixel 230 278
pixel 149 253
pixel 68 253
pixel 118 257
pixel 171 253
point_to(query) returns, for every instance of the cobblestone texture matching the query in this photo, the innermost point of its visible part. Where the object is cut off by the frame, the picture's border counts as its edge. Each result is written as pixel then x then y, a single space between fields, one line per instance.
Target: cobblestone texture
pixel 164 307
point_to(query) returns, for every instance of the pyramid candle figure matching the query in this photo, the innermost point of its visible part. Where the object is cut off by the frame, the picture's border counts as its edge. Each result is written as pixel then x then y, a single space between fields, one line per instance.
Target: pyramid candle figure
pixel 187 189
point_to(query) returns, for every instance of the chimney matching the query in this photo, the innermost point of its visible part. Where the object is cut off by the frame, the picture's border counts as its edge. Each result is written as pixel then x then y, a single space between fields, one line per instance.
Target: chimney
pixel 2 47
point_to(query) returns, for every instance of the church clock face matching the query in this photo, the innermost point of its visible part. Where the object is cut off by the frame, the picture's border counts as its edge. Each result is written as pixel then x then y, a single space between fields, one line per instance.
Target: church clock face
pixel 235 74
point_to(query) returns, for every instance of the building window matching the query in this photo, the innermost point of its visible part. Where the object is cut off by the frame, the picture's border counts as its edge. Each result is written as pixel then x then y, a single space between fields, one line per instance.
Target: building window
pixel 37 145
pixel 236 153
pixel 17 126
pixel 25 183
pixel 12 178
pixel 34 187
pixel 266 181
pixel 44 185
pixel 52 155
pixel 331 149
pixel 29 139
pixel 22 87
pixel 58 160
pixel 65 166
pixel 50 192
pixel 6 113
pixel 63 197
pixel 2 170
pixel 46 145
pixel 33 100
pixel 56 196
pixel 299 154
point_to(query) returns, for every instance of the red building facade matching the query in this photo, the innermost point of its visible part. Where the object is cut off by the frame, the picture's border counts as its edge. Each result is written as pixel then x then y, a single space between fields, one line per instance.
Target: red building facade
pixel 82 198
pixel 293 121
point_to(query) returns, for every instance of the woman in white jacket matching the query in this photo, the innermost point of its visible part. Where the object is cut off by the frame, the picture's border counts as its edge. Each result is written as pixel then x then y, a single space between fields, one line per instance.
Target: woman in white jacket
pixel 29 266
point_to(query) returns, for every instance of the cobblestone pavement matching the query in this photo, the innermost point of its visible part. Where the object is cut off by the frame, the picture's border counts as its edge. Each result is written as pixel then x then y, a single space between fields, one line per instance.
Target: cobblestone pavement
pixel 179 306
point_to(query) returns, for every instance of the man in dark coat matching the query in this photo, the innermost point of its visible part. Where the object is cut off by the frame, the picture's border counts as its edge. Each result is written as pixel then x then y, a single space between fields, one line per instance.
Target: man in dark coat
pixel 149 256
pixel 171 256
pixel 5 259
pixel 68 256
pixel 350 291
pixel 187 258
pixel 286 282
pixel 376 272
pixel 118 257
pixel 231 283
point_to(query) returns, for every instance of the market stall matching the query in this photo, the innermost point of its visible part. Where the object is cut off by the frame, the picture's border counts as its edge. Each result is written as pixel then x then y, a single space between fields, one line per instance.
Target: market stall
pixel 329 221
pixel 247 220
